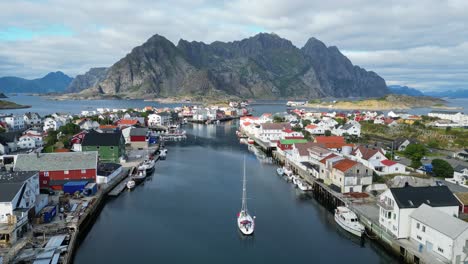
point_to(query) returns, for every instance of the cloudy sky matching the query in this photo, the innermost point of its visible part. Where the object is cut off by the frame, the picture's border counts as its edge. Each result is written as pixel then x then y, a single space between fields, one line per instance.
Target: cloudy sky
pixel 422 44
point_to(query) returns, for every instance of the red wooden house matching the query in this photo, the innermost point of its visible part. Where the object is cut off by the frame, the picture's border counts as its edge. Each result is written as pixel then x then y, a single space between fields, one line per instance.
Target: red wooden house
pixel 56 169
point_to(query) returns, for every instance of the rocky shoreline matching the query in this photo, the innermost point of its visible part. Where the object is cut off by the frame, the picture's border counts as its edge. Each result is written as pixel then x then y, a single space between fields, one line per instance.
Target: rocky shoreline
pixel 5 105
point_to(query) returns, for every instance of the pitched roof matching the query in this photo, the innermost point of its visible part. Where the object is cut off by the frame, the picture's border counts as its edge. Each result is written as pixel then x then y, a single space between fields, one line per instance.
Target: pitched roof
pixel 413 197
pixel 139 131
pixel 344 164
pixel 276 126
pixel 331 141
pixel 460 168
pixel 56 161
pixel 302 147
pixel 368 153
pixel 129 122
pixel 324 160
pixel 388 162
pixel 444 223
pixel 462 197
pixel 311 126
pixel 11 183
pixel 102 139
pixel 287 130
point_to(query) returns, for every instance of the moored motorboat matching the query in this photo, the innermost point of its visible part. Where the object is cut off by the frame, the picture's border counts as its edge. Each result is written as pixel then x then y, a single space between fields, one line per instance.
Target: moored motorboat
pixel 139 175
pixel 280 171
pixel 148 165
pixel 287 171
pixel 250 141
pixel 303 186
pixel 348 220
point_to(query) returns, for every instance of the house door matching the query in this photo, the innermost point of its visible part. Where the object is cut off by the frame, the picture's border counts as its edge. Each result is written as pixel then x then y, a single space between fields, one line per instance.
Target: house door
pixel 428 246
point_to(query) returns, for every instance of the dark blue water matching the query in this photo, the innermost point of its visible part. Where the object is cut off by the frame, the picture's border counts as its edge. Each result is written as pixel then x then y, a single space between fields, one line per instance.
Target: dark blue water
pixel 186 213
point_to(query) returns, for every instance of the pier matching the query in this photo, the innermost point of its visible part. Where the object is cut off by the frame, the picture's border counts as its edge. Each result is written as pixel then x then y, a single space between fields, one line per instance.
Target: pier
pixel 122 185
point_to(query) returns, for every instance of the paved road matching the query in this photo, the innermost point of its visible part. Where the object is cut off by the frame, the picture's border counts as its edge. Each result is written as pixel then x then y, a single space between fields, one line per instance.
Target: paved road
pixel 455 188
pixel 451 161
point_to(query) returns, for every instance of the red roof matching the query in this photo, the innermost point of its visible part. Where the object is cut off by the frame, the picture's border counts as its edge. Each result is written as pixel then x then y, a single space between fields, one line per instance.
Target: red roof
pixel 246 123
pixel 344 164
pixel 107 127
pixel 368 153
pixel 388 162
pixel 127 122
pixel 311 126
pixel 331 141
pixel 287 130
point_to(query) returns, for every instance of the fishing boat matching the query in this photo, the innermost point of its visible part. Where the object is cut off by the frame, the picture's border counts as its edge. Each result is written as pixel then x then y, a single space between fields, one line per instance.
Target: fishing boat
pixel 280 171
pixel 148 165
pixel 139 175
pixel 245 222
pixel 131 184
pixel 348 220
pixel 303 186
pixel 163 154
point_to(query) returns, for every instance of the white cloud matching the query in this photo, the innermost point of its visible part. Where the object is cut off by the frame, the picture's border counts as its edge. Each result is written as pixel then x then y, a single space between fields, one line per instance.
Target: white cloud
pixel 422 43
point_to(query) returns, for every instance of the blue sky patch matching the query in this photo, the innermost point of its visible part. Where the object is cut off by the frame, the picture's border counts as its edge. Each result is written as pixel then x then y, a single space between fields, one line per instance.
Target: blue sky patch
pixel 18 33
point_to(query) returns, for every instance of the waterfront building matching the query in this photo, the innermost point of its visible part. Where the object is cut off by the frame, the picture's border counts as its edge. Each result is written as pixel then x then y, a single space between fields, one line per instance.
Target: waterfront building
pixel 299 151
pixel 345 175
pixel 272 131
pixel 159 119
pixel 331 142
pixel 439 234
pixel 139 137
pixel 18 193
pixel 55 169
pixel 283 145
pixel 106 172
pixel 110 146
pixel 397 204
pixel 454 116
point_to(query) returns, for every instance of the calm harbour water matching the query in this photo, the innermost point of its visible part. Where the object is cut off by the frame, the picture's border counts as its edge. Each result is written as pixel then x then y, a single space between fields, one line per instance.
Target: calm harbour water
pixel 186 212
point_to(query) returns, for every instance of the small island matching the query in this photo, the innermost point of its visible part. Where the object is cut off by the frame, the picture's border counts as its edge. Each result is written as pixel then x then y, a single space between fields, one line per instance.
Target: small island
pixel 388 102
pixel 10 105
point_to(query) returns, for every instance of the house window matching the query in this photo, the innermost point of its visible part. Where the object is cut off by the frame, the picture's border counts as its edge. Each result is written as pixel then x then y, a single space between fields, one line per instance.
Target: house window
pixel 440 250
pixel 46 173
pixel 66 172
pixel 424 229
pixel 357 171
pixel 97 147
pixel 419 238
pixel 83 171
pixel 417 225
pixel 111 147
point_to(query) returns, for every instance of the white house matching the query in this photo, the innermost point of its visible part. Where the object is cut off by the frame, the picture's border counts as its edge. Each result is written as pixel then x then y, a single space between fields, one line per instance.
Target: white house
pixel 453 116
pixel 397 204
pixel 299 152
pixel 351 128
pixel 272 131
pixel 30 141
pixel 289 133
pixel 390 167
pixel 63 118
pixel 439 233
pixel 14 122
pixel 200 114
pixel 32 119
pixel 87 124
pixel 371 157
pixel 460 174
pixel 52 124
pixel 160 119
pixel 8 142
pixel 18 193
pixel 344 174
pixel 316 129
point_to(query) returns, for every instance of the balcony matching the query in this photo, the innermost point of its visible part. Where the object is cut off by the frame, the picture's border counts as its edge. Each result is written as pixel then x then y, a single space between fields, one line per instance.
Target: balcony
pixel 385 206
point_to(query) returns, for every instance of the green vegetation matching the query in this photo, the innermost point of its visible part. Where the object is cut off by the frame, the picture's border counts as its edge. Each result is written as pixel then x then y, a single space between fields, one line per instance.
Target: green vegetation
pixel 61 138
pixel 278 119
pixel 442 168
pixel 327 133
pixel 415 152
pixel 10 105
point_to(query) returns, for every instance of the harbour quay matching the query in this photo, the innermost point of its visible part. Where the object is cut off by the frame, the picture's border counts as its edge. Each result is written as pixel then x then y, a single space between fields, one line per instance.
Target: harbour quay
pixel 412 214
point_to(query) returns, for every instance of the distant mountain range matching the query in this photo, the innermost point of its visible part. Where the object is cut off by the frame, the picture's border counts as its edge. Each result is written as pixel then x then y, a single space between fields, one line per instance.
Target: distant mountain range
pixel 405 90
pixel 52 82
pixel 263 66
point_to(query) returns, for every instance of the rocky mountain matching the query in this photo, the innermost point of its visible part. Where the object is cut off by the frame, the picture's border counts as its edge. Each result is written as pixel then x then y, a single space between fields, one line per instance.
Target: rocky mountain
pixel 263 66
pixel 451 93
pixel 404 90
pixel 52 82
pixel 89 79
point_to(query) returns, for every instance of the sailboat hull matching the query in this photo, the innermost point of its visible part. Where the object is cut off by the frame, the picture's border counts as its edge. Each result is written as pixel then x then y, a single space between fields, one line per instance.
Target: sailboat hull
pixel 246 224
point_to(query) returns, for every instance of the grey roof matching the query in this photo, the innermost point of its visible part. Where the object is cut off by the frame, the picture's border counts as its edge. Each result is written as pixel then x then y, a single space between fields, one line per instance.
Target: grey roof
pixel 11 183
pixel 413 197
pixel 164 114
pixel 57 161
pixel 8 137
pixel 440 221
pixel 347 126
pixel 139 131
pixel 460 168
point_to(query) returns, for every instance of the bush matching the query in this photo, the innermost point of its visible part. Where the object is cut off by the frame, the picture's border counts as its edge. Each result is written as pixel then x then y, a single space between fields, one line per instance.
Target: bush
pixel 327 133
pixel 442 168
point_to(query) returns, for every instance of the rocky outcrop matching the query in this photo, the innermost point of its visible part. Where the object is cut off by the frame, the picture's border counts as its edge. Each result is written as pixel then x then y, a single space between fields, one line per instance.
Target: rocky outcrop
pixel 263 66
pixel 89 79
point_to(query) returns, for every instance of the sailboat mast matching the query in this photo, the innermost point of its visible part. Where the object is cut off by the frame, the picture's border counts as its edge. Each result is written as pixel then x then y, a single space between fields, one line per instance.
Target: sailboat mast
pixel 244 192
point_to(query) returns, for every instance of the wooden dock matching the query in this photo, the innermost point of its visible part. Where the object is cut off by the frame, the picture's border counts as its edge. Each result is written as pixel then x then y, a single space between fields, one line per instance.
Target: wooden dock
pixel 121 186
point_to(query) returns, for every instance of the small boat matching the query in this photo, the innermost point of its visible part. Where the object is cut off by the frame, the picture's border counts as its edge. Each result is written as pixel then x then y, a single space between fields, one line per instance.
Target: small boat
pixel 163 154
pixel 140 175
pixel 287 171
pixel 280 171
pixel 295 179
pixel 348 220
pixel 245 222
pixel 303 186
pixel 250 141
pixel 131 184
pixel 148 165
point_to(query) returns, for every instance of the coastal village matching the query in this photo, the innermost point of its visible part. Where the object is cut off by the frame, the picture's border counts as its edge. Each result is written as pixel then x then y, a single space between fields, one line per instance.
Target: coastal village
pixel 404 176
pixel 57 170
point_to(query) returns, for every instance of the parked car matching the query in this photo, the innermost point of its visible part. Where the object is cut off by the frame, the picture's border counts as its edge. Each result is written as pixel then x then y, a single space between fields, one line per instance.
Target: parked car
pixel 396 157
pixel 439 183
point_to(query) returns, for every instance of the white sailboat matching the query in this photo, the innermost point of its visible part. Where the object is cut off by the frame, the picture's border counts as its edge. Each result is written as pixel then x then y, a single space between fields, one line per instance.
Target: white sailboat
pixel 245 222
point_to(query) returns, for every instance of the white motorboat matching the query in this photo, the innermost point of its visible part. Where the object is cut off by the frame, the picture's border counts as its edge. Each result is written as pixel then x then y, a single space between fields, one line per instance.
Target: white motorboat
pixel 280 171
pixel 163 154
pixel 303 186
pixel 295 179
pixel 148 166
pixel 348 220
pixel 245 222
pixel 287 171
pixel 131 184
pixel 139 175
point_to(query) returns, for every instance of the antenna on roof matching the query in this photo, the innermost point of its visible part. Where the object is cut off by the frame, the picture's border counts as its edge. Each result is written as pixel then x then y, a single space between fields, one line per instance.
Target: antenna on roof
pixel 410 202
